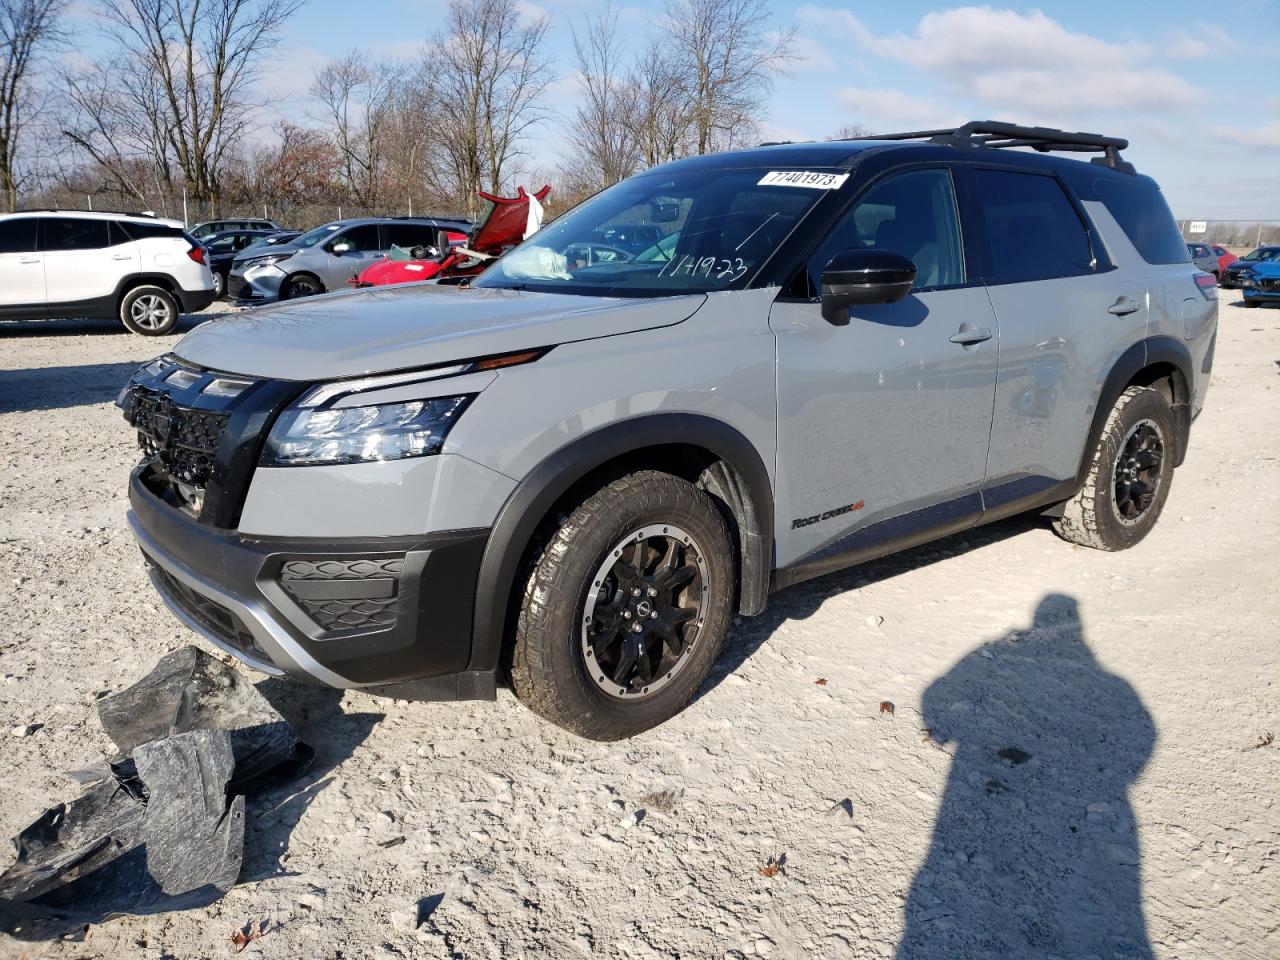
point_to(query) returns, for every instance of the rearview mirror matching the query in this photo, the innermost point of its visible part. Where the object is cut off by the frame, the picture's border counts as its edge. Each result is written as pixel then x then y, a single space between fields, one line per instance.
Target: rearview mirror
pixel 340 247
pixel 664 211
pixel 860 277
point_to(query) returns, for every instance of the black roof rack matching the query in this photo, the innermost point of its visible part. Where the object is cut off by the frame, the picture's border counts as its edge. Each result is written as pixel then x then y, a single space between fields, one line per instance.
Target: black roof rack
pixel 994 133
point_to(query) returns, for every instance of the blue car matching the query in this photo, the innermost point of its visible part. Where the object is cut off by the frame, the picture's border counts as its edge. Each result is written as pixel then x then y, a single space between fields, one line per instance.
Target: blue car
pixel 1262 285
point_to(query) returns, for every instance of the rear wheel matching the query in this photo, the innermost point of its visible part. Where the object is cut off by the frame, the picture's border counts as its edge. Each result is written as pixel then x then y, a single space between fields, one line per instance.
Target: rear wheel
pixel 626 608
pixel 219 286
pixel 150 311
pixel 1129 478
pixel 301 285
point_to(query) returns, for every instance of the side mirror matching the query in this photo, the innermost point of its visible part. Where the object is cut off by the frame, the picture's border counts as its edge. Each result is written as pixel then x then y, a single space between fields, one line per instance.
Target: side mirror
pixel 340 247
pixel 860 277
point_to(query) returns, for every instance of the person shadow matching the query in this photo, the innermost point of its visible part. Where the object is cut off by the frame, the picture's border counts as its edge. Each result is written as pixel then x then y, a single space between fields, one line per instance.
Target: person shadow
pixel 1035 849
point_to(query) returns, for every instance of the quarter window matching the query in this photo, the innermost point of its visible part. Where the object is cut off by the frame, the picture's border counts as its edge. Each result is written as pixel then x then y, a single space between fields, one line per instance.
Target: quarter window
pixel 74 234
pixel 1034 230
pixel 18 235
pixel 911 213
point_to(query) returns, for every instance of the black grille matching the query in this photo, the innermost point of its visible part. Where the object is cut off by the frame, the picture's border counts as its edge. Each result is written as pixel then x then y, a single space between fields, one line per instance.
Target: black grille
pixel 359 594
pixel 211 615
pixel 1271 284
pixel 185 441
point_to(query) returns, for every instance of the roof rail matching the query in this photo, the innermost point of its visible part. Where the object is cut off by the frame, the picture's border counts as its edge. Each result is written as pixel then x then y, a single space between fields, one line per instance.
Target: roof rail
pixel 120 213
pixel 994 133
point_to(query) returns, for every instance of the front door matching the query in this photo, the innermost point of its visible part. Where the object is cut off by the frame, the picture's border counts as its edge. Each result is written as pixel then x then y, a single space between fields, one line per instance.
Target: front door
pixel 21 270
pixel 883 424
pixel 363 247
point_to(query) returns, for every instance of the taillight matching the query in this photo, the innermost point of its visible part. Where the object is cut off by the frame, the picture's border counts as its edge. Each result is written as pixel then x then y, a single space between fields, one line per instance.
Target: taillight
pixel 196 253
pixel 1208 285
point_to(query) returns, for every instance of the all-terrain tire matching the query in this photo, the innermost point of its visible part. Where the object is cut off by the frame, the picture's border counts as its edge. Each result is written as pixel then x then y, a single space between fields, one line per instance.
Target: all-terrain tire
pixel 549 670
pixel 1092 518
pixel 149 310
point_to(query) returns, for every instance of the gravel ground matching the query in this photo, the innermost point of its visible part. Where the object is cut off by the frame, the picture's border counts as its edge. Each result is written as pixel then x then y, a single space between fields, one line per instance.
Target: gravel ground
pixel 1071 766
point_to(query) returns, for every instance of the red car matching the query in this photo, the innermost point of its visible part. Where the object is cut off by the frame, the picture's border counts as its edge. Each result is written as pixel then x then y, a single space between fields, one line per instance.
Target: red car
pixel 1224 256
pixel 510 220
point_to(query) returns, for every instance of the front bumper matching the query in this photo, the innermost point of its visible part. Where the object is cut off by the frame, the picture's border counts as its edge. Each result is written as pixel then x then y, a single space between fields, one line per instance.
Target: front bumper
pixel 340 613
pixel 255 286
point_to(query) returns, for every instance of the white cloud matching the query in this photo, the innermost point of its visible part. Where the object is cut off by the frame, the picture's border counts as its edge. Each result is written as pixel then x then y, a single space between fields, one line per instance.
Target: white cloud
pixel 530 12
pixel 1008 59
pixel 1200 41
pixel 887 109
pixel 1264 137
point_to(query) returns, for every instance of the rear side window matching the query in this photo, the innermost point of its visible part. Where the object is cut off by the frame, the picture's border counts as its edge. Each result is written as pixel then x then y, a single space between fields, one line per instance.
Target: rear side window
pixel 1139 208
pixel 148 231
pixel 362 238
pixel 408 235
pixel 1034 230
pixel 18 235
pixel 74 234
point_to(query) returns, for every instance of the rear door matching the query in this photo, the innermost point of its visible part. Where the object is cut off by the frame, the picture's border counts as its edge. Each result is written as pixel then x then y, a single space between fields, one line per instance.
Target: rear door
pixel 410 235
pixel 21 269
pixel 84 260
pixel 1065 313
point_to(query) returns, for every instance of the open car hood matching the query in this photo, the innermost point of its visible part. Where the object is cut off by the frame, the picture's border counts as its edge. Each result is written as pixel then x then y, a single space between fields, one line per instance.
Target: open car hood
pixel 381 329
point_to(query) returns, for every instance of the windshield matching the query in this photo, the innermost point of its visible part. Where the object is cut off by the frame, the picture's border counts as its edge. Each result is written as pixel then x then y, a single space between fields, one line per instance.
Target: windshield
pixel 1262 253
pixel 319 234
pixel 664 234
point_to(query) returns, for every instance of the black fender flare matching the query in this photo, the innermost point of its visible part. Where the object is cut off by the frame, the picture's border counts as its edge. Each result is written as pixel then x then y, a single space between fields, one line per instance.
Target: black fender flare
pixel 555 476
pixel 129 281
pixel 1139 356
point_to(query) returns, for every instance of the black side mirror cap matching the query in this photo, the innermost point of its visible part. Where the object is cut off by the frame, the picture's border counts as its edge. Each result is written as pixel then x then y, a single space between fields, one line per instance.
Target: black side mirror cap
pixel 860 277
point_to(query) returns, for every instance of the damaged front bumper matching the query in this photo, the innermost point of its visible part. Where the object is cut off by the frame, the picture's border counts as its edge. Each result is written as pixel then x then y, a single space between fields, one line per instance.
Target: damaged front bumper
pixel 390 613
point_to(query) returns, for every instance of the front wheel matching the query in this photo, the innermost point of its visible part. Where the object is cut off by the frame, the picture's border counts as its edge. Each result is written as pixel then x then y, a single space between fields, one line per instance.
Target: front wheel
pixel 301 285
pixel 149 311
pixel 626 608
pixel 1129 477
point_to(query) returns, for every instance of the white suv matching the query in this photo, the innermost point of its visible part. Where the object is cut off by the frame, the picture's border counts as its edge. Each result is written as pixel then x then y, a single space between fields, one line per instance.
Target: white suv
pixel 68 263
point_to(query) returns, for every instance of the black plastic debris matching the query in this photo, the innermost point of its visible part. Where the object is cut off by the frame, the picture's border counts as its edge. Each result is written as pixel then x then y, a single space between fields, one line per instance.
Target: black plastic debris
pixel 164 827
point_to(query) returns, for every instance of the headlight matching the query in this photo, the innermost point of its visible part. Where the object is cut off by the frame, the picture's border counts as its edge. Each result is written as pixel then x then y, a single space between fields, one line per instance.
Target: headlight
pixel 266 261
pixel 1249 282
pixel 309 436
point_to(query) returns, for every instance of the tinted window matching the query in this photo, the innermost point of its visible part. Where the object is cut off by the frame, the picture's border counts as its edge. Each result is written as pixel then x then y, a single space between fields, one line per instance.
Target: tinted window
pixel 913 214
pixel 359 238
pixel 1139 208
pixel 74 234
pixel 1034 230
pixel 146 231
pixel 408 235
pixel 18 236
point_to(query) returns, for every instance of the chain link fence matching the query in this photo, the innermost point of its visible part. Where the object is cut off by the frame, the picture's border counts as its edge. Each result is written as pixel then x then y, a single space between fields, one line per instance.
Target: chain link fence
pixel 1240 236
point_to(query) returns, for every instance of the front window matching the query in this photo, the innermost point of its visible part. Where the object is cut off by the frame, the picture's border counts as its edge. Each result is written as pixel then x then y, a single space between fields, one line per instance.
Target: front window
pixel 664 234
pixel 318 235
pixel 1263 254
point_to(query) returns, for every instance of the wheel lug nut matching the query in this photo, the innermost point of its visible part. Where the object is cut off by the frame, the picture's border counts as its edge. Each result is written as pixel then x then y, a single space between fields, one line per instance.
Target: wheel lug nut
pixel 653 615
pixel 626 614
pixel 636 628
pixel 635 591
pixel 653 591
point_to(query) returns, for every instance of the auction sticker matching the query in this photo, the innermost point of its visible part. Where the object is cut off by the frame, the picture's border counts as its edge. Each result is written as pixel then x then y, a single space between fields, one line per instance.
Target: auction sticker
pixel 803 178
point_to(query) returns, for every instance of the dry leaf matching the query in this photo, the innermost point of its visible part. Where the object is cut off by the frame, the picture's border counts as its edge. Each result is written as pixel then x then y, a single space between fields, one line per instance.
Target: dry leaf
pixel 1266 740
pixel 243 936
pixel 775 866
pixel 886 707
pixel 821 682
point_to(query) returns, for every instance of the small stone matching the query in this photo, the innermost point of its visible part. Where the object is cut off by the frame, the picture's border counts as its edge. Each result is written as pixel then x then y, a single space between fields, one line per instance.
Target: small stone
pixel 874 620
pixel 25 729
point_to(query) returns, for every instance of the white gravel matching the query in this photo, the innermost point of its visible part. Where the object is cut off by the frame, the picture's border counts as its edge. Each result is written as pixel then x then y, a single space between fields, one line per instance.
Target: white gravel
pixel 1131 814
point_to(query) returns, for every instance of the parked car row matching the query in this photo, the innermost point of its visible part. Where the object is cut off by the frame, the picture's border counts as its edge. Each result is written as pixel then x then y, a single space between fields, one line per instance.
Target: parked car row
pixel 1211 258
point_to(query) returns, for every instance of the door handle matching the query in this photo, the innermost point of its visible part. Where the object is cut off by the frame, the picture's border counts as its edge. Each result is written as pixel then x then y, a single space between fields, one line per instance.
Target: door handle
pixel 29 260
pixel 1124 306
pixel 969 335
pixel 122 256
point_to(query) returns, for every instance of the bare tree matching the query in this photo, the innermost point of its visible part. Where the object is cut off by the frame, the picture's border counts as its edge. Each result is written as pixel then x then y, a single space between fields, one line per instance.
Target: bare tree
pixel 851 131
pixel 728 59
pixel 27 29
pixel 357 94
pixel 604 142
pixel 491 74
pixel 201 57
pixel 657 112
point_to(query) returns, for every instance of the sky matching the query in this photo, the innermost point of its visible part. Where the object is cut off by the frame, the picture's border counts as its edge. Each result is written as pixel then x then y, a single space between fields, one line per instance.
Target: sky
pixel 1194 86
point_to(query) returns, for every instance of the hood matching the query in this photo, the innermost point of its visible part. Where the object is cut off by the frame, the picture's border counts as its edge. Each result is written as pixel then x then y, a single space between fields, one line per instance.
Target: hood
pixel 1265 268
pixel 378 330
pixel 270 250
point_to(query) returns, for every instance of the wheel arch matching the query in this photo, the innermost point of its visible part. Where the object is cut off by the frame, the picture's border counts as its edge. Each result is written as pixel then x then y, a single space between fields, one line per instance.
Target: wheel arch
pixel 701 449
pixel 135 280
pixel 289 278
pixel 1161 362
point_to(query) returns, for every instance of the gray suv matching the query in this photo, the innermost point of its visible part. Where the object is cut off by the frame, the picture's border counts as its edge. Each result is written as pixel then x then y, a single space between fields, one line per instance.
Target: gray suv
pixel 325 258
pixel 713 380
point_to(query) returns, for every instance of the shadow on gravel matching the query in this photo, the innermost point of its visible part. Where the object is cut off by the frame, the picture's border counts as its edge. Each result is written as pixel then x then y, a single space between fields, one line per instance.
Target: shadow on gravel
pixel 270 818
pixel 803 600
pixel 1035 850
pixel 53 388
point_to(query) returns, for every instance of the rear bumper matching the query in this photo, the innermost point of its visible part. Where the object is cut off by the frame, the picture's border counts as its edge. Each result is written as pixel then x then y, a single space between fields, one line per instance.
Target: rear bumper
pixel 193 301
pixel 339 613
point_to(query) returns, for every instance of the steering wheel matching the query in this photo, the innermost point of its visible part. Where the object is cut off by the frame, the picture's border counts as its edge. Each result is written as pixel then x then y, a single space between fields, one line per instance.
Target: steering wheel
pixel 618 255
